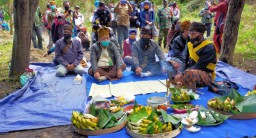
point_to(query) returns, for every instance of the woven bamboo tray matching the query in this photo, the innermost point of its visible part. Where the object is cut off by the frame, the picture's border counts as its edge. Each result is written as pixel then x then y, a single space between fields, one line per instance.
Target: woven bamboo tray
pixel 171 134
pixel 100 131
pixel 241 116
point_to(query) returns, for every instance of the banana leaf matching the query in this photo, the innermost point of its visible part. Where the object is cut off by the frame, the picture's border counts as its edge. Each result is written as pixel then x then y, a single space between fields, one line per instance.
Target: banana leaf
pixel 135 117
pixel 169 118
pixel 92 110
pixel 150 128
pixel 232 95
pixel 151 116
pixel 247 105
pixel 103 118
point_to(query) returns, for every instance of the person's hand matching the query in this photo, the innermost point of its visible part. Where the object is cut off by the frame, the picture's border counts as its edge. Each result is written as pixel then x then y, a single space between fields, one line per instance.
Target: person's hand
pixel 119 73
pixel 208 12
pixel 97 75
pixel 150 23
pixel 178 79
pixel 138 71
pixel 72 67
pixel 68 67
pixel 175 64
pixel 45 54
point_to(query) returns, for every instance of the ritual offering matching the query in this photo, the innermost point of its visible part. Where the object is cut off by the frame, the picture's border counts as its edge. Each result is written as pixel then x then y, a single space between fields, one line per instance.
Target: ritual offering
pixel 101 117
pixel 253 92
pixel 184 108
pixel 235 105
pixel 189 121
pixel 182 95
pixel 158 102
pixel 210 117
pixel 152 123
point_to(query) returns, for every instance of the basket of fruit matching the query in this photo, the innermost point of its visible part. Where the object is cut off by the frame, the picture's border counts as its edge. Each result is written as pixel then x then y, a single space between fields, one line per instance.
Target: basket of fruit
pixel 182 95
pixel 96 121
pixel 235 105
pixel 152 123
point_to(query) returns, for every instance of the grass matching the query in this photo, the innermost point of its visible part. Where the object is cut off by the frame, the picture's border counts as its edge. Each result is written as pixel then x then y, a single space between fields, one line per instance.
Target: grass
pixel 5 58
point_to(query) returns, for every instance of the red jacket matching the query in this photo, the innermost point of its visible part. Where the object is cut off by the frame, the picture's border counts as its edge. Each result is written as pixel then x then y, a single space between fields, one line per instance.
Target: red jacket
pixel 221 8
pixel 127 48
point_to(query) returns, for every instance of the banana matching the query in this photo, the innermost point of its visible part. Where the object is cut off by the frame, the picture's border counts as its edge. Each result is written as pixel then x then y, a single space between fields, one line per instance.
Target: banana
pixel 143 125
pixel 155 118
pixel 91 124
pixel 75 115
pixel 91 128
pixel 146 121
pixel 115 110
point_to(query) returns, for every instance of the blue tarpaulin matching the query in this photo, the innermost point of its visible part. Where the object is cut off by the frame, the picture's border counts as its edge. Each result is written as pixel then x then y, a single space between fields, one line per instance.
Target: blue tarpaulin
pixel 48 101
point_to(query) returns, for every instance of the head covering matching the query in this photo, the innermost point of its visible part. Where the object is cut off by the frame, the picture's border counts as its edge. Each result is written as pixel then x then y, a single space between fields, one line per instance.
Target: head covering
pixel 185 25
pixel 83 29
pixel 132 2
pixel 77 7
pixel 96 3
pixel 101 4
pixel 146 30
pixel 146 2
pixel 60 15
pixel 198 27
pixel 67 29
pixel 103 31
pixel 52 2
pixel 132 31
pixel 123 1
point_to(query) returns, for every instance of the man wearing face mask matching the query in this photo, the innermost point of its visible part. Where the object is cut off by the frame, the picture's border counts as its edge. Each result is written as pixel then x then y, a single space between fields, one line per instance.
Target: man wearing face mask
pixel 68 53
pixel 57 28
pixel 122 10
pixel 143 55
pixel 128 47
pixel 163 23
pixel 202 60
pixel 134 17
pixel 101 17
pixel 105 58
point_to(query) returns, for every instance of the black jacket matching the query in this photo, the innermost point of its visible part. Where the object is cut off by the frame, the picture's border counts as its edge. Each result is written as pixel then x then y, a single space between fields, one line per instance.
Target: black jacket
pixel 179 47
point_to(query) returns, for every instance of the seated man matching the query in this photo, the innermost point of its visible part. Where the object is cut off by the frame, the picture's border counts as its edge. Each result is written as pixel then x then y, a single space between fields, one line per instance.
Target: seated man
pixel 180 56
pixel 202 59
pixel 105 58
pixel 68 53
pixel 143 55
pixel 127 46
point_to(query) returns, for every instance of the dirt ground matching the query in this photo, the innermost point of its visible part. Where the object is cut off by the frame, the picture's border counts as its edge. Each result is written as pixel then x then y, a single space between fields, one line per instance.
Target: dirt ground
pixel 8 86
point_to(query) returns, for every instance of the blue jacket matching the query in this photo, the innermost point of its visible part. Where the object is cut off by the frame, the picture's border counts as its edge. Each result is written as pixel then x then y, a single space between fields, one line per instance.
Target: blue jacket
pixel 143 17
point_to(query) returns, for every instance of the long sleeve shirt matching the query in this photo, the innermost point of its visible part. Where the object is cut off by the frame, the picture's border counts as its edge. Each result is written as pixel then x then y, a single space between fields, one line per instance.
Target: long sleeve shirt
pixel 73 55
pixel 221 8
pixel 123 12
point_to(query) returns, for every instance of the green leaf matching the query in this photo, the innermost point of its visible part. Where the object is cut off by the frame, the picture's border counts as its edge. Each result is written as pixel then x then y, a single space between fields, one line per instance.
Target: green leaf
pixel 169 118
pixel 135 105
pixel 103 118
pixel 92 110
pixel 248 104
pixel 150 128
pixel 118 114
pixel 135 117
pixel 151 116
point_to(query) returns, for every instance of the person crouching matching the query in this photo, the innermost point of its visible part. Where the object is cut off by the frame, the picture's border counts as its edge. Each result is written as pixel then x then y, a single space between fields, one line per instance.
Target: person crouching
pixel 68 53
pixel 105 58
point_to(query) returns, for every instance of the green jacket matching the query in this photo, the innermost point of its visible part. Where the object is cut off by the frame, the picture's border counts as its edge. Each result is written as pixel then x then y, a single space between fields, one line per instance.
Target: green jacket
pixel 164 18
pixel 206 17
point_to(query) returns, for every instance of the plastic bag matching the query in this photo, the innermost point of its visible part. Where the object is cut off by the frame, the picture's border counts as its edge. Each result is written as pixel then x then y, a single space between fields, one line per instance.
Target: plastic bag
pixel 26 76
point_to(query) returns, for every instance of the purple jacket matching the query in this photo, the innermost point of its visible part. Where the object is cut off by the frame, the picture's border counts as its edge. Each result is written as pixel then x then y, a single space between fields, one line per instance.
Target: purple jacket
pixel 72 56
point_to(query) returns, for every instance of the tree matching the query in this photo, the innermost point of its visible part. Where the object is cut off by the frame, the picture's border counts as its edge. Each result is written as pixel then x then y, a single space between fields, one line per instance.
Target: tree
pixel 24 12
pixel 231 30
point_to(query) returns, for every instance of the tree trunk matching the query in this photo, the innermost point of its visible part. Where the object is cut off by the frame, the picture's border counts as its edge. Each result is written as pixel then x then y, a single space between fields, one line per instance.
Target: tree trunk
pixel 231 30
pixel 24 12
pixel 10 12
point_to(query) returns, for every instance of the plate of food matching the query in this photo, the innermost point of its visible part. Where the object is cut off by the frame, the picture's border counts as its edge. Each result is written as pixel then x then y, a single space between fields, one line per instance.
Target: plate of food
pixel 183 108
pixel 157 123
pixel 182 95
pixel 97 121
pixel 234 105
pixel 210 117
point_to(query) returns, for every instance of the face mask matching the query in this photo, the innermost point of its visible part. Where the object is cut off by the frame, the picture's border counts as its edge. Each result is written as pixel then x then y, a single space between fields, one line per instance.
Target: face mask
pixel 145 42
pixel 195 39
pixel 112 9
pixel 105 43
pixel 146 7
pixel 53 7
pixel 132 37
pixel 67 36
pixel 66 7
